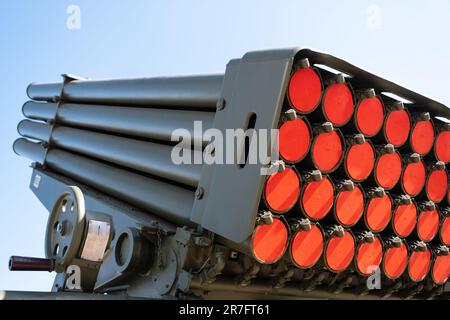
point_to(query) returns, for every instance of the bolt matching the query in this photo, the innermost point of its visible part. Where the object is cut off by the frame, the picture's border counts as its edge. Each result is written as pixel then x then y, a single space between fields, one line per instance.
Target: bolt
pixel 366 237
pixel 414 158
pixel 314 175
pixel 346 185
pixel 60 228
pixel 404 199
pixel 199 193
pixel 277 166
pixel 379 192
pixel 221 104
pixel 370 93
pixel 265 217
pixel 304 63
pixel 290 114
pixel 336 231
pixel 340 78
pixel 358 139
pixel 445 127
pixel 398 105
pixel 202 241
pixel 428 206
pixel 326 127
pixel 425 116
pixel 440 165
pixel 304 224
pixel 393 242
pixel 446 212
pixel 419 246
pixel 388 149
pixel 442 250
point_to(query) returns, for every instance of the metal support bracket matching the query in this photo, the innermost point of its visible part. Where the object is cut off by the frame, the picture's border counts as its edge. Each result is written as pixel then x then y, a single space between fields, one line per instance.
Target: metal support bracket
pixel 253 86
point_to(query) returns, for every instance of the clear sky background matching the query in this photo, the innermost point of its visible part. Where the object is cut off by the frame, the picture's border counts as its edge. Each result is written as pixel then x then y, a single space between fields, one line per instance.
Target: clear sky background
pixel 405 41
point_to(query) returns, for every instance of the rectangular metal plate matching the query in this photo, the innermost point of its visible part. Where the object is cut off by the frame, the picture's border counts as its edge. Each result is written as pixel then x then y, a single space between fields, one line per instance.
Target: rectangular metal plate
pixel 96 240
pixel 255 84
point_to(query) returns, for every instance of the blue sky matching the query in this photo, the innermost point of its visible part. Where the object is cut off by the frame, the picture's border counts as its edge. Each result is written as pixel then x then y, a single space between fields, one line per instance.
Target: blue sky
pixel 405 41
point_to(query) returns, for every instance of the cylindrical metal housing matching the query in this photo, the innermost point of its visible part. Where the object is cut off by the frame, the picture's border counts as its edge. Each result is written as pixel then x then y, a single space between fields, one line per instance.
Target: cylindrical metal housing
pixel 35 130
pixel 33 151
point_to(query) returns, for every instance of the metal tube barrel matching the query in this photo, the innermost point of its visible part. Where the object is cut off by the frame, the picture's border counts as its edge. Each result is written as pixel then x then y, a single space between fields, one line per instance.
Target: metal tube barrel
pixel 34 130
pixel 29 150
pixel 158 124
pixel 152 158
pixel 169 201
pixel 40 110
pixel 31 264
pixel 188 92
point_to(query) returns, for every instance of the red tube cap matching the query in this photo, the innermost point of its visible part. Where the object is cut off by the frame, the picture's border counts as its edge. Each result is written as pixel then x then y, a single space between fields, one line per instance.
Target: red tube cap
pixel 441 269
pixel 395 261
pixel 413 178
pixel 317 198
pixel 422 137
pixel 282 190
pixel 419 265
pixel 436 185
pixel 427 225
pixel 397 127
pixel 269 241
pixel 349 206
pixel 339 252
pixel 338 104
pixel 388 170
pixel 442 146
pixel 378 213
pixel 327 151
pixel 307 247
pixel 305 90
pixel 404 219
pixel 445 231
pixel 359 161
pixel 369 256
pixel 294 140
pixel 369 116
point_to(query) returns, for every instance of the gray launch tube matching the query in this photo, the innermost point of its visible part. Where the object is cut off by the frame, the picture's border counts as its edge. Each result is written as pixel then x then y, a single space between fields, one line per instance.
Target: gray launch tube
pixel 187 92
